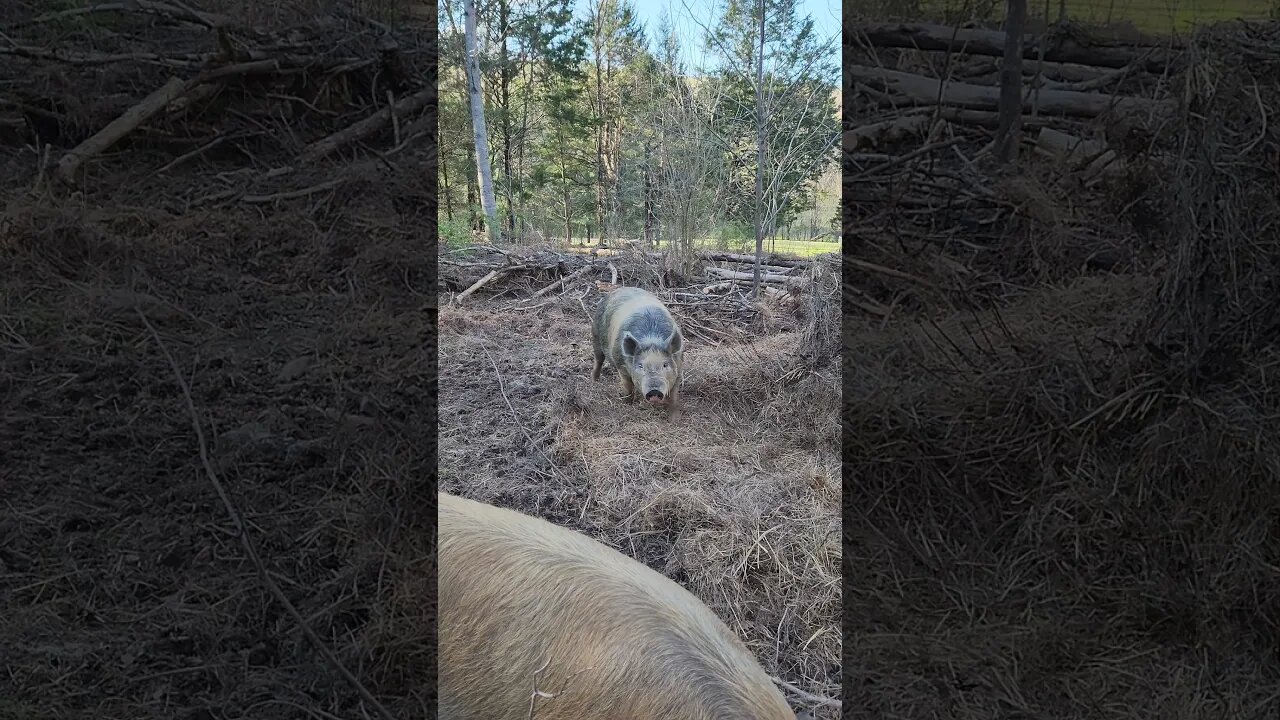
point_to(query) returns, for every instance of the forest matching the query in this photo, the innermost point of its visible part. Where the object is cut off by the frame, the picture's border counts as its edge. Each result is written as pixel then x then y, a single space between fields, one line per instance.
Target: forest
pixel 600 128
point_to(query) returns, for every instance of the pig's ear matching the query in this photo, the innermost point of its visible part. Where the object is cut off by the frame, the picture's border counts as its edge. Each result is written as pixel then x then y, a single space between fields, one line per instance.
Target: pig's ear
pixel 630 346
pixel 675 342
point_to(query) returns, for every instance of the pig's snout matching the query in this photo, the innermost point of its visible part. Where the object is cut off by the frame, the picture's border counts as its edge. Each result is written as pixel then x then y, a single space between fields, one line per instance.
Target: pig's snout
pixel 654 396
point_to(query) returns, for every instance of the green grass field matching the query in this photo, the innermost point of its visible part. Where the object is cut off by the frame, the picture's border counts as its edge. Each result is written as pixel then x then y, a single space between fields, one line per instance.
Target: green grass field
pixel 798 248
pixel 1164 16
pixel 1157 17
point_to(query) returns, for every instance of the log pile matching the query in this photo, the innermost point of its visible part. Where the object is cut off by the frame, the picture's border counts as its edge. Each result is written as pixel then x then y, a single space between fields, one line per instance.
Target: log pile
pixel 1066 81
pixel 544 273
pixel 194 86
pixel 922 190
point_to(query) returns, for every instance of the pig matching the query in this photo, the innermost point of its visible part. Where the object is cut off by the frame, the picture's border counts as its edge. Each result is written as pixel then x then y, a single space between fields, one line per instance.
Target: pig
pixel 643 342
pixel 535 620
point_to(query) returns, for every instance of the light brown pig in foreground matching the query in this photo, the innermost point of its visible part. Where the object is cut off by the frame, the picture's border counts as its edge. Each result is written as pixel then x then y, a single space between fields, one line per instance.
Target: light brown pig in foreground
pixel 525 604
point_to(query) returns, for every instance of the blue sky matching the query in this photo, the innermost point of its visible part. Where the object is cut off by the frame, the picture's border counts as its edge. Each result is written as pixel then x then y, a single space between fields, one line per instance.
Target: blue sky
pixel 825 14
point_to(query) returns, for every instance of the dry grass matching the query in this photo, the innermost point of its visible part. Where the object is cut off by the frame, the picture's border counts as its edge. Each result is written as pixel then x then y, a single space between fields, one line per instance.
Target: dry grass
pixel 738 501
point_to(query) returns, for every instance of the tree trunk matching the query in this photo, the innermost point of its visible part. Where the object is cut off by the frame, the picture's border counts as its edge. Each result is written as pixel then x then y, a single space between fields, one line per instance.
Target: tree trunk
pixel 650 235
pixel 1009 133
pixel 601 126
pixel 524 133
pixel 504 93
pixel 447 191
pixel 755 280
pixel 564 190
pixel 568 218
pixel 481 132
pixel 469 146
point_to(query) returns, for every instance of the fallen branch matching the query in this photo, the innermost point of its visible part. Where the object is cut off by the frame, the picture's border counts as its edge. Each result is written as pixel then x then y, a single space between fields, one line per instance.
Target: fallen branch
pixel 366 127
pixel 198 151
pixel 294 194
pixel 485 281
pixel 806 696
pixel 564 279
pixel 918 152
pixel 70 163
pixel 872 267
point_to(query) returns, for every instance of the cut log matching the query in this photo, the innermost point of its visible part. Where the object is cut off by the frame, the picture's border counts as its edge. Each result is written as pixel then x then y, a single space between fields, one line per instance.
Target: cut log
pixel 743 258
pixel 1066 73
pixel 986 118
pixel 764 267
pixel 974 41
pixel 929 91
pixel 735 275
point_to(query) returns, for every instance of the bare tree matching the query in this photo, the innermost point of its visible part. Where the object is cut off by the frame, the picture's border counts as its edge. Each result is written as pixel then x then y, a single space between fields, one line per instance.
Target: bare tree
pixel 1009 132
pixel 760 150
pixel 487 202
pixel 792 107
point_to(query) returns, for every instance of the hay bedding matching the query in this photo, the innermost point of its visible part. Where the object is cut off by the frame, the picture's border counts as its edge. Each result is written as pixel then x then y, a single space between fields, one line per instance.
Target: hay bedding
pixel 737 501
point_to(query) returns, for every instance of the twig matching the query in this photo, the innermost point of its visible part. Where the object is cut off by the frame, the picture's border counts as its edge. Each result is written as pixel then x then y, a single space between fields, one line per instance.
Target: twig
pixel 366 127
pixel 395 119
pixel 485 281
pixel 924 150
pixel 243 535
pixel 515 416
pixel 294 194
pixel 572 276
pixel 198 151
pixel 806 696
pixel 870 266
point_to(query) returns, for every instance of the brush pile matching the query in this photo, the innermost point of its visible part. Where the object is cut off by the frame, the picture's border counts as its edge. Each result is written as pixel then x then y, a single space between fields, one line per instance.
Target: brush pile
pixel 1064 471
pixel 179 84
pixel 1100 118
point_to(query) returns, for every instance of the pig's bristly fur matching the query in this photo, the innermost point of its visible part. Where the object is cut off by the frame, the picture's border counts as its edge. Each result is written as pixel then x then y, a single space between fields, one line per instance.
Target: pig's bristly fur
pixel 614 639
